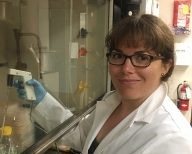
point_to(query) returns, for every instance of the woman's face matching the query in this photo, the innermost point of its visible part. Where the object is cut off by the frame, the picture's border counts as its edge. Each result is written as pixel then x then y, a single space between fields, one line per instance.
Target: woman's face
pixel 136 84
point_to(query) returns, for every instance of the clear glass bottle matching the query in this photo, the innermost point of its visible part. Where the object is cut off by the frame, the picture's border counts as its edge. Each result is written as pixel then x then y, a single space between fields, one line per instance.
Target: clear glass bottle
pixel 7 145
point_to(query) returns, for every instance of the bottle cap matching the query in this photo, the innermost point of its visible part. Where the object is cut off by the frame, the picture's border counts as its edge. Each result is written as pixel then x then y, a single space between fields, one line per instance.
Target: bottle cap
pixel 6 130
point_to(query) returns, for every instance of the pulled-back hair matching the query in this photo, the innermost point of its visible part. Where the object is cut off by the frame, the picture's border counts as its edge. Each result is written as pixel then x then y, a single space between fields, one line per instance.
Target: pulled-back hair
pixel 146 31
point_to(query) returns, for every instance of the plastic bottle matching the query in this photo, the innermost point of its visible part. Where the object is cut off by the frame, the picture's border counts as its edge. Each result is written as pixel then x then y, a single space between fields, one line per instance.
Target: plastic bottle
pixel 7 145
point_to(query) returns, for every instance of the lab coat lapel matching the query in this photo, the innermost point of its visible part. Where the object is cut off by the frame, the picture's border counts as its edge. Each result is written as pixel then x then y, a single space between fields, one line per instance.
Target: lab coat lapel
pixel 126 130
pixel 104 109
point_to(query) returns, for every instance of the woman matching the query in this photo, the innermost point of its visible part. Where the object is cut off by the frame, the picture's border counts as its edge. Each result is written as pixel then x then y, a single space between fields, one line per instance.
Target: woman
pixel 137 117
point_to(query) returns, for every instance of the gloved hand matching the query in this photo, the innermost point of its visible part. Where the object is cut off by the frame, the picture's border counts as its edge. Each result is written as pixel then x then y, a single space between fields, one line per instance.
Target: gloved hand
pixel 40 91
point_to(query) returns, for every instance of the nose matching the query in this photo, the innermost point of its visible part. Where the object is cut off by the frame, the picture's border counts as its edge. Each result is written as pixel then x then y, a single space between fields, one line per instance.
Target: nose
pixel 127 66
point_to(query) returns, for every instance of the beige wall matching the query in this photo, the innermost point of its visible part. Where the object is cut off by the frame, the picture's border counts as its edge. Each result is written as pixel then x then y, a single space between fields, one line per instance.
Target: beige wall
pixel 181 73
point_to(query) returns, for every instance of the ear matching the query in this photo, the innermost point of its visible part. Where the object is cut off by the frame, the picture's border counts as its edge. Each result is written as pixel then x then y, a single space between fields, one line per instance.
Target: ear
pixel 166 66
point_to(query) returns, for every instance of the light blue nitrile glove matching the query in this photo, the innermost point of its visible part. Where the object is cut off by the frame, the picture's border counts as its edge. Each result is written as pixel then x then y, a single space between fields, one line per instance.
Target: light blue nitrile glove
pixel 39 90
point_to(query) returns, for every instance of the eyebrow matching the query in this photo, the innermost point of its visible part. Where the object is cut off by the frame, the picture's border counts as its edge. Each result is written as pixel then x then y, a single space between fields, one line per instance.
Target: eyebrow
pixel 136 52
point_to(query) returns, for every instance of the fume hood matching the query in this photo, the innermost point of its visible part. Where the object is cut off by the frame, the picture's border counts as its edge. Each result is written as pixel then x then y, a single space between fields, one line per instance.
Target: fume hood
pixel 61 42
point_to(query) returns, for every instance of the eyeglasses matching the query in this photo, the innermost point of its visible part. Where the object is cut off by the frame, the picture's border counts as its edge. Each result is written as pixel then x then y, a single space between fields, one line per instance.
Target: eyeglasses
pixel 116 57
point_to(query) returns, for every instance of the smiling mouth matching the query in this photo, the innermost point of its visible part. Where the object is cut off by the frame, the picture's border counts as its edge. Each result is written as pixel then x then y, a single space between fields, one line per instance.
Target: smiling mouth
pixel 128 81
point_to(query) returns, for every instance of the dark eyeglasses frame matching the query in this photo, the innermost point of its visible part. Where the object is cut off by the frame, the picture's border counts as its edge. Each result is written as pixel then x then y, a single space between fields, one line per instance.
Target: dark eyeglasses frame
pixel 152 58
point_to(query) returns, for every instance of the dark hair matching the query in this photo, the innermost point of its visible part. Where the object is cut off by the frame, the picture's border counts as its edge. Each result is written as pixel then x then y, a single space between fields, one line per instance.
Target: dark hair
pixel 145 30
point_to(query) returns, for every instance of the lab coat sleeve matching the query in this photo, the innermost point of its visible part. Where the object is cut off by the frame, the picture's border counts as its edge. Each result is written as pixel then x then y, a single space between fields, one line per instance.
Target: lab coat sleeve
pixel 49 113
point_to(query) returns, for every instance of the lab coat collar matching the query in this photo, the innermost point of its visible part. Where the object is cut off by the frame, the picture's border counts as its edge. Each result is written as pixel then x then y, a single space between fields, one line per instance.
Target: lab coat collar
pixel 104 108
pixel 142 114
pixel 147 109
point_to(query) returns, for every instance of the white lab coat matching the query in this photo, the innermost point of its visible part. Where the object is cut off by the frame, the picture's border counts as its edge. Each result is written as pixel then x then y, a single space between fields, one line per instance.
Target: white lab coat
pixel 49 113
pixel 156 127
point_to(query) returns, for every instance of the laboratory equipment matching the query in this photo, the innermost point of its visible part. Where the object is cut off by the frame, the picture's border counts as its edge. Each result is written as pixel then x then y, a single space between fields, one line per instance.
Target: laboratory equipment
pixel 74 79
pixel 7 145
pixel 30 94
